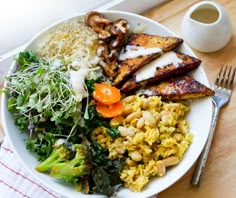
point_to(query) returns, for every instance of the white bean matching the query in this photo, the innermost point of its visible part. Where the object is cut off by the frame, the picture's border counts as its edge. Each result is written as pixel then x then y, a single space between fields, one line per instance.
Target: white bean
pixel 170 161
pixel 161 168
pixel 130 162
pixel 144 103
pixel 126 131
pixel 128 99
pixel 149 119
pixel 182 128
pixel 140 123
pixel 136 156
pixel 133 116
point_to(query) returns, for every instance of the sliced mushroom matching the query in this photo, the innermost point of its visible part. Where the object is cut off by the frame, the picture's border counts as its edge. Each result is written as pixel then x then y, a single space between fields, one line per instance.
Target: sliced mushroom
pixel 102 34
pixel 121 25
pixel 111 38
pixel 113 55
pixel 96 19
pixel 117 41
pixel 102 50
pixel 109 68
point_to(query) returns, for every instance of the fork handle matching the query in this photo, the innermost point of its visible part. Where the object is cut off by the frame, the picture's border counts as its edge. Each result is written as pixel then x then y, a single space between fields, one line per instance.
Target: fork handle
pixel 204 155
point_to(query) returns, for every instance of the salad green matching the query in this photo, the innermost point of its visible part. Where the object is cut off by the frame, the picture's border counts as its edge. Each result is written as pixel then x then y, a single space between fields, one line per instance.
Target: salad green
pixel 45 106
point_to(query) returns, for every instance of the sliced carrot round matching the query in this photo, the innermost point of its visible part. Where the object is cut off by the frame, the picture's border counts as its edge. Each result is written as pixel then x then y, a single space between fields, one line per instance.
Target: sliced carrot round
pixel 110 111
pixel 106 93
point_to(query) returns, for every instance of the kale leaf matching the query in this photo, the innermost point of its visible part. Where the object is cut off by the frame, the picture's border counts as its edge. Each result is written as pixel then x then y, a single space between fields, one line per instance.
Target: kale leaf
pixel 113 132
pixel 106 179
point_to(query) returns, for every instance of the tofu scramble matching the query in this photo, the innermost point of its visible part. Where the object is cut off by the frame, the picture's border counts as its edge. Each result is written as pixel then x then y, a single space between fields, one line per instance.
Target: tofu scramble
pixel 153 136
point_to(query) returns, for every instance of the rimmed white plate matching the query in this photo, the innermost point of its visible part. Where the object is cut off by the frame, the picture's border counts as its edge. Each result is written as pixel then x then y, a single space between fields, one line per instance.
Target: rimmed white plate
pixel 199 118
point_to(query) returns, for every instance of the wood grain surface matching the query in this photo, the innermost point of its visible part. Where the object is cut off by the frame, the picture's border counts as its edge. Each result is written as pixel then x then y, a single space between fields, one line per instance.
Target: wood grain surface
pixel 219 177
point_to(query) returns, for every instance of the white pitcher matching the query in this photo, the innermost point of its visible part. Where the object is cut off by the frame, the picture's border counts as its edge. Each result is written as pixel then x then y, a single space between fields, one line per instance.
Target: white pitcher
pixel 206 26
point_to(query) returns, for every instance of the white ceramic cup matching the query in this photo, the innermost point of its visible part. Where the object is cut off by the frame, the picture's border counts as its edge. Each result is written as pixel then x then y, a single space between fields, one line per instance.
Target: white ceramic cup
pixel 206 26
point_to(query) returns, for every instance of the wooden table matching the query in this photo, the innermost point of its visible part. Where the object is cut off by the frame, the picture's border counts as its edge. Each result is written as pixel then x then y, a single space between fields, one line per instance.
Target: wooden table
pixel 219 177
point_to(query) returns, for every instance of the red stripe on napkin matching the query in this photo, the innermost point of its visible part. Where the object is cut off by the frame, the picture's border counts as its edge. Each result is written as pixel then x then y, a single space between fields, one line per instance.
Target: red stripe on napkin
pixel 11 187
pixel 24 177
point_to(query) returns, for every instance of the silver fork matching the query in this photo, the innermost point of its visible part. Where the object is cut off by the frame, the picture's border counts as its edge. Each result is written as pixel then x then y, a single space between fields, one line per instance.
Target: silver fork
pixel 223 89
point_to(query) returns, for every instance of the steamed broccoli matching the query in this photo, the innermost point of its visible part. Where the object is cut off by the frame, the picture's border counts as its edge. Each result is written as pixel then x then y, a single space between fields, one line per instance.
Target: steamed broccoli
pixel 67 164
pixel 79 166
pixel 60 153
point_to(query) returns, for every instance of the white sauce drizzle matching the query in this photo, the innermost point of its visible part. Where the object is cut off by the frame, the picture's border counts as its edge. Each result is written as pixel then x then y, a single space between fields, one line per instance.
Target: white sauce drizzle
pixel 148 71
pixel 77 79
pixel 132 51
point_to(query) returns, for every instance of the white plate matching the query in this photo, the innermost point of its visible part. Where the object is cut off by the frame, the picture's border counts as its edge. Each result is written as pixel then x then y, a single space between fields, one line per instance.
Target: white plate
pixel 199 118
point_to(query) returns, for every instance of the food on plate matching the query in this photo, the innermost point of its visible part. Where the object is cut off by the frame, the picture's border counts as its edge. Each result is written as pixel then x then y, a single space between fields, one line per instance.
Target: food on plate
pixel 181 87
pixel 140 50
pixel 67 162
pixel 153 135
pixel 63 44
pixel 106 94
pixel 168 65
pixel 112 36
pixel 80 128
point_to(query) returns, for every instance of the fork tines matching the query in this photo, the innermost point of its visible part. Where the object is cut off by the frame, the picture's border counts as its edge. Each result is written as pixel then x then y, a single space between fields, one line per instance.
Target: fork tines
pixel 225 78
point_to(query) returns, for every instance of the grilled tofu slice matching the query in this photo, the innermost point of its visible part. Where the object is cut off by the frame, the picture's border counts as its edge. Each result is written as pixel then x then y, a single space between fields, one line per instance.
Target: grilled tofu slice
pixel 181 87
pixel 168 65
pixel 140 50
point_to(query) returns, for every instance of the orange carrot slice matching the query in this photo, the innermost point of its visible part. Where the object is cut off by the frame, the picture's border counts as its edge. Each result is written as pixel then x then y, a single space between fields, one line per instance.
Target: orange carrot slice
pixel 106 93
pixel 110 111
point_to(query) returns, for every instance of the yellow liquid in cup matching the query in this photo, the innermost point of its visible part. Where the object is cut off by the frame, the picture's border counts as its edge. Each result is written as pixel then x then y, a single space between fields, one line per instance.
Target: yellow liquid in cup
pixel 205 15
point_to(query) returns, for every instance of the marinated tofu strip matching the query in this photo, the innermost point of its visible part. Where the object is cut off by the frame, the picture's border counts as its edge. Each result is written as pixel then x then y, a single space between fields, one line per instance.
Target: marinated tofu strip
pixel 182 87
pixel 140 50
pixel 168 65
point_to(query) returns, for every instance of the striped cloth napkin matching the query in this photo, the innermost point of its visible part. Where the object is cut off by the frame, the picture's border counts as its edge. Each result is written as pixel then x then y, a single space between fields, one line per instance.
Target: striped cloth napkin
pixel 15 181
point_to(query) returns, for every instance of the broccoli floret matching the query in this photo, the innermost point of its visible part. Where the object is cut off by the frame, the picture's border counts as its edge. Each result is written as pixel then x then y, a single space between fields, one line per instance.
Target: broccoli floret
pixel 79 166
pixel 60 153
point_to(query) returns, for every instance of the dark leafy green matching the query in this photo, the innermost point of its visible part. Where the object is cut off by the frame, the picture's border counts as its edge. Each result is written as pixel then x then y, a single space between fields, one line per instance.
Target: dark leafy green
pixel 41 147
pixel 113 132
pixel 106 179
pixel 95 120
